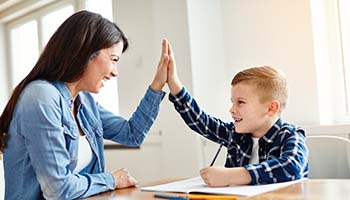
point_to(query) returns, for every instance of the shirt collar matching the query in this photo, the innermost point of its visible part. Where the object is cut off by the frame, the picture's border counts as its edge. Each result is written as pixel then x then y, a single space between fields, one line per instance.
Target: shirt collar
pixel 63 89
pixel 273 131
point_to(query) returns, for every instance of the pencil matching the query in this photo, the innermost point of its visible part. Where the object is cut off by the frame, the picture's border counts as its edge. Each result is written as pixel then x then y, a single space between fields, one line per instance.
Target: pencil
pixel 165 196
pixel 216 155
pixel 203 196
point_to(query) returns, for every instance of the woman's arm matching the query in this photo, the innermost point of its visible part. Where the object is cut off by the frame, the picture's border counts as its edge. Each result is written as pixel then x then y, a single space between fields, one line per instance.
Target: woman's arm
pixel 133 131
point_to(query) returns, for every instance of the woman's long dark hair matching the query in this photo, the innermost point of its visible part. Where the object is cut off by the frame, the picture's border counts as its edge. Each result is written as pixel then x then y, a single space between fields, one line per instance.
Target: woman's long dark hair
pixel 66 55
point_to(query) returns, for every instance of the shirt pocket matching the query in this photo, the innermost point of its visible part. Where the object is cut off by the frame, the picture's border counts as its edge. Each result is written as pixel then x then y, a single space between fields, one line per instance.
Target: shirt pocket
pixel 71 137
pixel 98 130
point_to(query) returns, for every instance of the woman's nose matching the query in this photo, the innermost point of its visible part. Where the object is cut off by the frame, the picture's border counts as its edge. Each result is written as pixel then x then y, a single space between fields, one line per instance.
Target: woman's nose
pixel 114 71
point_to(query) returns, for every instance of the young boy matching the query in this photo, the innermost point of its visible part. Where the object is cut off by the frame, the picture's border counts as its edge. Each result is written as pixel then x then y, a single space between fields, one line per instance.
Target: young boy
pixel 261 147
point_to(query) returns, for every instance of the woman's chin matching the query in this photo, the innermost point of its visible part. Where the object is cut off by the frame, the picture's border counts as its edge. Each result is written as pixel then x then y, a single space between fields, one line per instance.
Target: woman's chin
pixel 96 90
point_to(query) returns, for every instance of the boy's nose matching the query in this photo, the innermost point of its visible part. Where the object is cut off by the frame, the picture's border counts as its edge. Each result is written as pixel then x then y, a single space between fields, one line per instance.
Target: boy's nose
pixel 233 109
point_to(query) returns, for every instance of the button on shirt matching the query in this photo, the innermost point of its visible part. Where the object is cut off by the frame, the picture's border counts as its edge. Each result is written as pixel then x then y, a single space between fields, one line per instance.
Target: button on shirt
pixel 282 150
pixel 42 150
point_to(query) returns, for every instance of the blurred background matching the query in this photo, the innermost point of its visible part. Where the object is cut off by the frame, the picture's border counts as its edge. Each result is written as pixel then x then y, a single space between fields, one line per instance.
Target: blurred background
pixel 309 40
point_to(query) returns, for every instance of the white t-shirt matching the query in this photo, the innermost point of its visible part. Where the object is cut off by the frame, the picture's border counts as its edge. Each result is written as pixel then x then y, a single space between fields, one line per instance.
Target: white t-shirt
pixel 84 154
pixel 255 151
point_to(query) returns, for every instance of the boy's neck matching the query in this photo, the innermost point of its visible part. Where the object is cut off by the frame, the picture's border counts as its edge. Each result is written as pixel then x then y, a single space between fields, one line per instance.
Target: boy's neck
pixel 266 128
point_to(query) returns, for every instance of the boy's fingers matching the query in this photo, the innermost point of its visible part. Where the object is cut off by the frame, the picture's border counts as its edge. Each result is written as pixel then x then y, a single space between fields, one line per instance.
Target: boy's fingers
pixel 170 50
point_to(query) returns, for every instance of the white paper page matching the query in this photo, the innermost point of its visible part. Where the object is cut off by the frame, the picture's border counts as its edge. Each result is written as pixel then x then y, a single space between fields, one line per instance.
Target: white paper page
pixel 184 186
pixel 197 185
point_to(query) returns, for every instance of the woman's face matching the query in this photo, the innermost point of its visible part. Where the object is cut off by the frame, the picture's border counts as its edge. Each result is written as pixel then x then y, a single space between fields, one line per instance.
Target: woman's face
pixel 101 68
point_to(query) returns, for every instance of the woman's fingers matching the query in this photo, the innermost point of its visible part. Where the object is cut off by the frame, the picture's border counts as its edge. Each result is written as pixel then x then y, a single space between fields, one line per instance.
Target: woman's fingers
pixel 165 47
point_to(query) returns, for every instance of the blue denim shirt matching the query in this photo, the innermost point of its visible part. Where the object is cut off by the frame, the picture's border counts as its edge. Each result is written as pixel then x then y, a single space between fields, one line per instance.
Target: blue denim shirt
pixel 43 140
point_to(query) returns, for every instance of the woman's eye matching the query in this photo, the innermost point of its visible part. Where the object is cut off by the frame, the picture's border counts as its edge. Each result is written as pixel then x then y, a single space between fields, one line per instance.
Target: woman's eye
pixel 115 59
pixel 241 102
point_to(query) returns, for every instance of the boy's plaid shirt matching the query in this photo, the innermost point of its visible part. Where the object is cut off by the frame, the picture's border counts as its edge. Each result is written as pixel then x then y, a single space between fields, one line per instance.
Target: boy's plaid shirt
pixel 282 150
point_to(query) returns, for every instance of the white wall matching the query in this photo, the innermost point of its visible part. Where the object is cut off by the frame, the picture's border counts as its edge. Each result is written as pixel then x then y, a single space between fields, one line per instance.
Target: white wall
pixel 276 33
pixel 3 71
pixel 146 23
pixel 209 67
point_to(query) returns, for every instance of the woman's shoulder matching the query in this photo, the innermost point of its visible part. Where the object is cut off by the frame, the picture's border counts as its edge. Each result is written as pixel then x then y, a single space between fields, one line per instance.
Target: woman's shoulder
pixel 40 91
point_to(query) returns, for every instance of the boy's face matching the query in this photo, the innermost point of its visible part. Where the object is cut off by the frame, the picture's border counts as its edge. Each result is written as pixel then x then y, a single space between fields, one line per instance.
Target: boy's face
pixel 250 115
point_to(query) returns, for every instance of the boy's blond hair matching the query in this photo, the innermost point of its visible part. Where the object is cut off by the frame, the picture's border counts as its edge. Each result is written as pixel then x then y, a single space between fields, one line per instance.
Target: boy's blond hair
pixel 269 82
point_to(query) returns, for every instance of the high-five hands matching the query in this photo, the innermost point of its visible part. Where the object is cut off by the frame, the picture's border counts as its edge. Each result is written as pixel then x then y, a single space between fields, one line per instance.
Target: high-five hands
pixel 166 71
pixel 160 78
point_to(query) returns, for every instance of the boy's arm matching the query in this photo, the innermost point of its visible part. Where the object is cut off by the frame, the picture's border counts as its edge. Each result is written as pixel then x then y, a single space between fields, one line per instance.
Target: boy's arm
pixel 211 128
pixel 289 166
pixel 206 125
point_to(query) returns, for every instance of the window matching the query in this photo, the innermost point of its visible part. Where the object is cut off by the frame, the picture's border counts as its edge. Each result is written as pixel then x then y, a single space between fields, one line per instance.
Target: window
pixel 105 8
pixel 24 51
pixel 331 27
pixel 344 27
pixel 28 38
pixel 29 34
pixel 53 20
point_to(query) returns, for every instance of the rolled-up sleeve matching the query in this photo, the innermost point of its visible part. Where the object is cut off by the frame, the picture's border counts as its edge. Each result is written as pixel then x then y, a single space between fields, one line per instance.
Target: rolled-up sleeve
pixel 132 132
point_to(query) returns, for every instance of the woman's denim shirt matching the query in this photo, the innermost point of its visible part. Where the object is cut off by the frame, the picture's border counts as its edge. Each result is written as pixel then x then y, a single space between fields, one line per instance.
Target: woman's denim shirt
pixel 42 149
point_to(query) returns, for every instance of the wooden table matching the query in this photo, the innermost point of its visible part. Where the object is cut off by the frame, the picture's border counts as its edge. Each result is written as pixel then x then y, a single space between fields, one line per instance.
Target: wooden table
pixel 309 189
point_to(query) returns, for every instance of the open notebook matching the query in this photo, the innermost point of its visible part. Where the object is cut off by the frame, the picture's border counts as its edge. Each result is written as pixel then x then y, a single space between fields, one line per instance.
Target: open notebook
pixel 196 185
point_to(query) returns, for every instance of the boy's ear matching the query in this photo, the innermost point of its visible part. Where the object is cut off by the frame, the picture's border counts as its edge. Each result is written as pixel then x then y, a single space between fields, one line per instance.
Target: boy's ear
pixel 274 107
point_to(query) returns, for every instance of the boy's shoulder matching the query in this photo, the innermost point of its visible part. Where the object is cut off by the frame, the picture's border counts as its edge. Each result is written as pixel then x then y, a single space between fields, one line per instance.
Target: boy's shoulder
pixel 291 128
pixel 282 130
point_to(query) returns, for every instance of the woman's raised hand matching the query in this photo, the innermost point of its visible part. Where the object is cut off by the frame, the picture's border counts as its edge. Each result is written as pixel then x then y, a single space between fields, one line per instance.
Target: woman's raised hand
pixel 160 78
pixel 166 71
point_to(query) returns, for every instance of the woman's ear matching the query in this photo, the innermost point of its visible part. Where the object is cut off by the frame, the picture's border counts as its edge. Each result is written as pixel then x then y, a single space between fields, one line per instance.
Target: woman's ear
pixel 274 107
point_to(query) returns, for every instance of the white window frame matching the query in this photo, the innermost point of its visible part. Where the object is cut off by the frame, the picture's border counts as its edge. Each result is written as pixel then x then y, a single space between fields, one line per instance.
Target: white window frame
pixel 331 77
pixel 344 59
pixel 38 15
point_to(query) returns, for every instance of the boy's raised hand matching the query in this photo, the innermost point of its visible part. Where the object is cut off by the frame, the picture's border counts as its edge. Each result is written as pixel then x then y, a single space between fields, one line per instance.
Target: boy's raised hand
pixel 173 81
pixel 160 78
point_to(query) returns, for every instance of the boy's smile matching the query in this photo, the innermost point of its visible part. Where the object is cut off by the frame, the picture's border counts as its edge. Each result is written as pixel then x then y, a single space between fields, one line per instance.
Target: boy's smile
pixel 250 115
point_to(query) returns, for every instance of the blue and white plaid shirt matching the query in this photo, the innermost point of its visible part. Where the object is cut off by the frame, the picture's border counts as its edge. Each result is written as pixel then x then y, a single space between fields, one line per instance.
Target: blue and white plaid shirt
pixel 282 150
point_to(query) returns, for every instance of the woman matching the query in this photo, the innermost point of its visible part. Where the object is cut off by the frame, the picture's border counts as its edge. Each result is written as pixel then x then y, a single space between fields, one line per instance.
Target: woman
pixel 54 127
